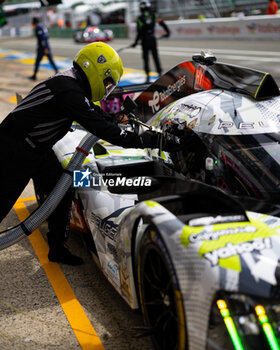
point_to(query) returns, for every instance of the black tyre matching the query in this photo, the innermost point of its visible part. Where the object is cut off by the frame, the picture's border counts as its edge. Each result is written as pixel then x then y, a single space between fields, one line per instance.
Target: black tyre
pixel 159 294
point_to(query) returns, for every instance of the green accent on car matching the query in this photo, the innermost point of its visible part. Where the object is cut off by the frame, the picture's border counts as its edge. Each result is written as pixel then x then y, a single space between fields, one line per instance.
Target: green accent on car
pixel 66 161
pixel 232 263
pixel 152 204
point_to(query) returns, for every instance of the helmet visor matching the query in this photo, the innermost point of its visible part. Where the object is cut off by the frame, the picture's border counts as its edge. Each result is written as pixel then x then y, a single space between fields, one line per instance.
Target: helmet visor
pixel 110 85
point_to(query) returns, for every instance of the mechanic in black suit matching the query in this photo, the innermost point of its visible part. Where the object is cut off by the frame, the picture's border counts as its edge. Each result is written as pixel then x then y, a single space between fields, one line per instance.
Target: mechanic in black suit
pixel 43 117
pixel 146 24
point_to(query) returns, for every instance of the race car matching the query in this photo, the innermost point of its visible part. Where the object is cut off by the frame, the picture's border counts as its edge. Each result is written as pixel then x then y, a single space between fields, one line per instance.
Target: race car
pixel 200 262
pixel 228 117
pixel 91 34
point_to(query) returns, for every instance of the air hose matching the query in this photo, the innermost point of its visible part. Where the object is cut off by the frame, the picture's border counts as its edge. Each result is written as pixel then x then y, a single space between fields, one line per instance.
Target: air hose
pixel 15 234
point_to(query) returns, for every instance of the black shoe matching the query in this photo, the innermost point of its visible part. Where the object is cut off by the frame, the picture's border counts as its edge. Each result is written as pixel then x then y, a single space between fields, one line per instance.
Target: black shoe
pixel 33 77
pixel 62 255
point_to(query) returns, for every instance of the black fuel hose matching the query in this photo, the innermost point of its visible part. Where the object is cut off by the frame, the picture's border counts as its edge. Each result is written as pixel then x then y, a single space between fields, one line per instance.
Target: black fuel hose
pixel 15 234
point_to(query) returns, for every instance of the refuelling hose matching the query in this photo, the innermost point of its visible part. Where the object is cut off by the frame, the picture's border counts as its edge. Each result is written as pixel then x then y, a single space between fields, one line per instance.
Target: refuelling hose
pixel 15 234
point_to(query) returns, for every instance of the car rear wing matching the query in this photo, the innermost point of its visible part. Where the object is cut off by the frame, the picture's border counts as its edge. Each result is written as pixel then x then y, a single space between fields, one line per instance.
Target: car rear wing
pixel 190 77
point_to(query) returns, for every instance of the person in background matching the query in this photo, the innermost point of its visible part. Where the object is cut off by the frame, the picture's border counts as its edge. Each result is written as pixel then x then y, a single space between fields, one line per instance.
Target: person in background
pixel 272 8
pixel 43 47
pixel 146 23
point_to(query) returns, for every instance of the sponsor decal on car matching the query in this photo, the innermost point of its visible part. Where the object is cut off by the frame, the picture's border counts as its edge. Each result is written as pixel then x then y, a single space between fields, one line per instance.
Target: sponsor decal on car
pixel 191 110
pixel 223 244
pixel 243 125
pixel 159 97
pixel 233 249
pixel 113 271
pixel 214 235
pixel 106 227
pixel 219 219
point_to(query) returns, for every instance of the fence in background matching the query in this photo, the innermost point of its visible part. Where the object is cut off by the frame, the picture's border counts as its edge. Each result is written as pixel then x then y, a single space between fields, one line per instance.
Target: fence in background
pixel 247 27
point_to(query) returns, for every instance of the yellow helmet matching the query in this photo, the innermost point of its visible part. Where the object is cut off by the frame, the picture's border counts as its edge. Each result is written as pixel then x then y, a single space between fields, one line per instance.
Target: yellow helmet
pixel 102 66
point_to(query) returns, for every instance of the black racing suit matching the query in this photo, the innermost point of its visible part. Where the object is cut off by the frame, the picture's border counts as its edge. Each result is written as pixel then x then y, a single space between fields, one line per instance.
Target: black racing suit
pixel 145 32
pixel 28 133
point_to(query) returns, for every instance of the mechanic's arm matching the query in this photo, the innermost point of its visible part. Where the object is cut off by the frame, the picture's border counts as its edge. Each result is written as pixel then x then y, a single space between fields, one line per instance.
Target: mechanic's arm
pixel 139 31
pixel 164 26
pixel 99 123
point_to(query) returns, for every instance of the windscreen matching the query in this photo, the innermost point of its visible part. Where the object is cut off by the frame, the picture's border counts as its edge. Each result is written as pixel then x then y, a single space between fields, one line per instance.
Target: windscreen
pixel 252 161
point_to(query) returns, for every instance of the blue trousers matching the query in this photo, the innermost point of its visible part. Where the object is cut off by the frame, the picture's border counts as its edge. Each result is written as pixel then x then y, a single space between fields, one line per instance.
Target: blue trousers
pixel 40 55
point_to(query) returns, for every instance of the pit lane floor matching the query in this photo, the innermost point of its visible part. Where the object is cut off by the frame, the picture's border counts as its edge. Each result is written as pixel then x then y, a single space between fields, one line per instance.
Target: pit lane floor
pixel 45 305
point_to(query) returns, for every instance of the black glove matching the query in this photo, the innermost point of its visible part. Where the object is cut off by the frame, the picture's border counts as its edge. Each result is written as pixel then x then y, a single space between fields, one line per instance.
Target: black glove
pixel 150 139
pixel 121 118
pixel 113 117
pixel 166 142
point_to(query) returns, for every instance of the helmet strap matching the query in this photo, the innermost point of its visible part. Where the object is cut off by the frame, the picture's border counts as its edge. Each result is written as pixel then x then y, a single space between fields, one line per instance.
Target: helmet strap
pixel 83 79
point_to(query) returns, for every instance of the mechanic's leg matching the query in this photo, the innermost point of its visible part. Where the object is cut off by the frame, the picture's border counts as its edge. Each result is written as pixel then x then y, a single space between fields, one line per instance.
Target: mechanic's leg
pixel 145 52
pixel 15 171
pixel 58 222
pixel 156 57
pixel 40 55
pixel 52 62
pixel 12 187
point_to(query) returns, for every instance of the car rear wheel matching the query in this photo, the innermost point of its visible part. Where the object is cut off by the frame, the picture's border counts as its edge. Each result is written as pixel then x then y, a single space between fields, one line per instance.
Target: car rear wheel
pixel 159 293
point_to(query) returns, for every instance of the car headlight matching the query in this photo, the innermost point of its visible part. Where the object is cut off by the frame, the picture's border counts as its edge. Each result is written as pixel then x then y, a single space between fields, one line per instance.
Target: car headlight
pixel 250 323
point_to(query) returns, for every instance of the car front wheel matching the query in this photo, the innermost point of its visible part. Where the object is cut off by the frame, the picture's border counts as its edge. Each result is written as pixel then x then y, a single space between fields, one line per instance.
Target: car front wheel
pixel 159 293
